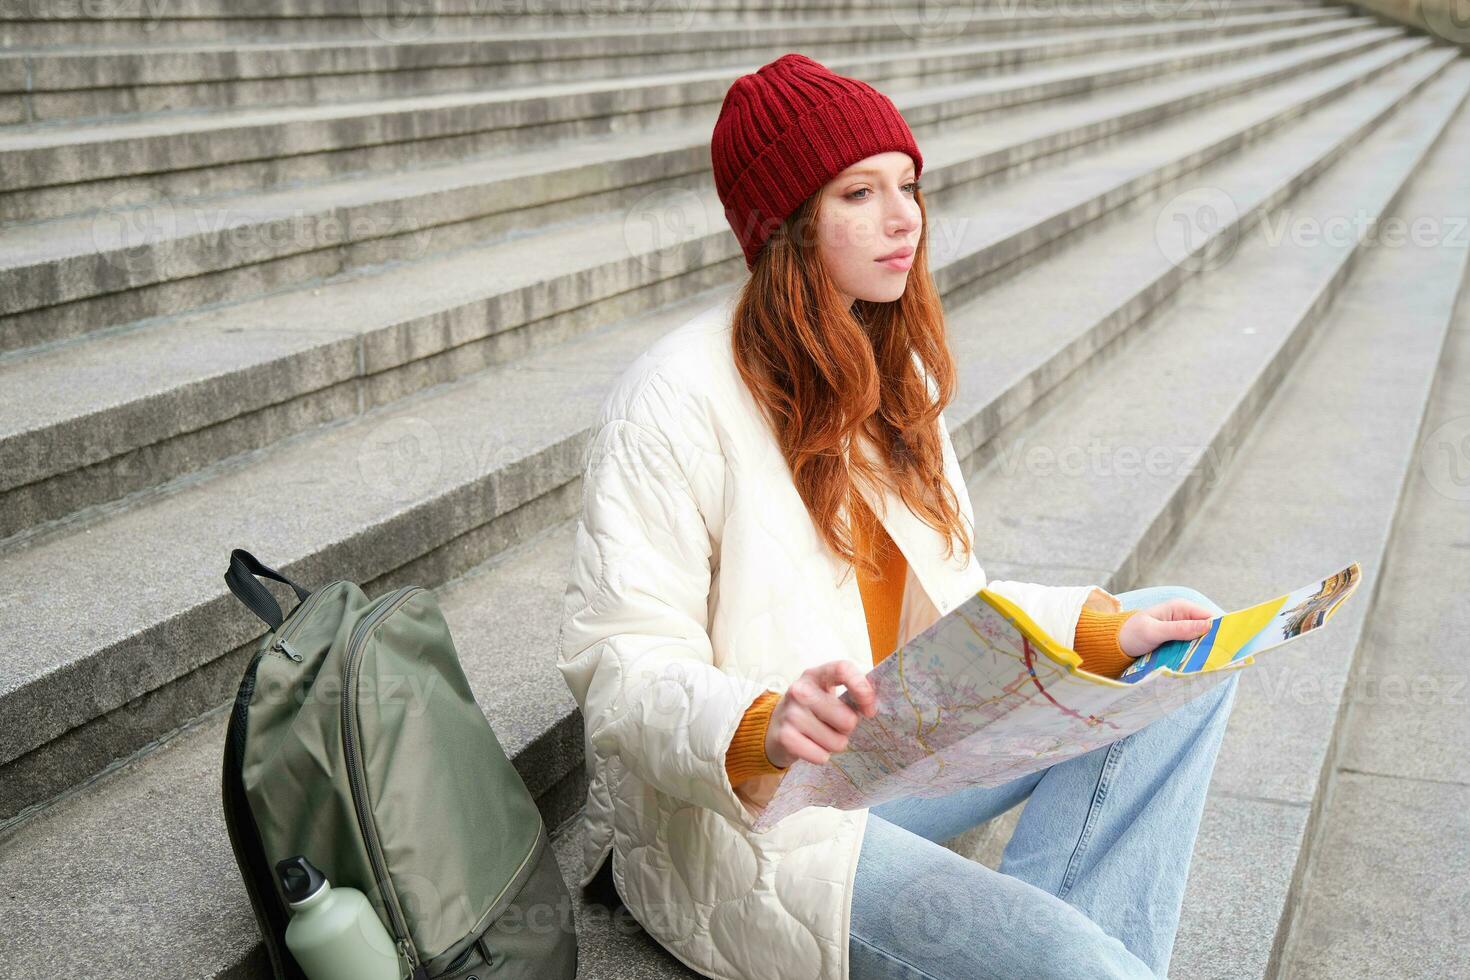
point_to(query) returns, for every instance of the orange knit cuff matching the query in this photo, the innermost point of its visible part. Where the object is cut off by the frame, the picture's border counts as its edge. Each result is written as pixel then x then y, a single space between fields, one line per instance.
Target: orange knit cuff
pixel 746 756
pixel 1097 642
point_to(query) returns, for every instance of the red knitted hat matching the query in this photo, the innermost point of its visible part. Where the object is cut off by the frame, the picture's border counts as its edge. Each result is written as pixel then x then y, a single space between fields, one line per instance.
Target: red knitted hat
pixel 788 128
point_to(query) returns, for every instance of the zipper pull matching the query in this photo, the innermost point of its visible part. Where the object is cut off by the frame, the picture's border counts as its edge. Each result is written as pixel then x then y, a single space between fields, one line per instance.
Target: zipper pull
pixel 418 970
pixel 286 648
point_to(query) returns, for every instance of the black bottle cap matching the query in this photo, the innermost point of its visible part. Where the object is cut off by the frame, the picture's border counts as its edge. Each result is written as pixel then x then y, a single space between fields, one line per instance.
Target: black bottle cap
pixel 299 878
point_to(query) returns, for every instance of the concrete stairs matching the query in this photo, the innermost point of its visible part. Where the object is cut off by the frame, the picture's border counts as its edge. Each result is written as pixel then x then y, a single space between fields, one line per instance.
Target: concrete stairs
pixel 349 300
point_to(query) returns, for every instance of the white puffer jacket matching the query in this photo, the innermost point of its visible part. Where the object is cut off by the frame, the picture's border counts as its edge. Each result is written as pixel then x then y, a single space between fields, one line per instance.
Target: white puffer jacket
pixel 699 581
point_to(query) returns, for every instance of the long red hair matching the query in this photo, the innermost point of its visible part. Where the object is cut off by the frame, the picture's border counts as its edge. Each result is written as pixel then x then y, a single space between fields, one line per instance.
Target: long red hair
pixel 823 375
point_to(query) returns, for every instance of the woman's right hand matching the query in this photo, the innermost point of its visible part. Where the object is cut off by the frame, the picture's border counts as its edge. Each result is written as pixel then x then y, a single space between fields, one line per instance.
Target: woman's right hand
pixel 809 721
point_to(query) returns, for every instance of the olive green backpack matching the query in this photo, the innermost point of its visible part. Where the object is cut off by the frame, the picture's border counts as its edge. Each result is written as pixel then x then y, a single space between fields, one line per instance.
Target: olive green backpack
pixel 355 740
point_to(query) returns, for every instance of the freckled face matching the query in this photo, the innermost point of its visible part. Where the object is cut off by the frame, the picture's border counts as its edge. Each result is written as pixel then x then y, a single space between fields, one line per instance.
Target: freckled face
pixel 867 212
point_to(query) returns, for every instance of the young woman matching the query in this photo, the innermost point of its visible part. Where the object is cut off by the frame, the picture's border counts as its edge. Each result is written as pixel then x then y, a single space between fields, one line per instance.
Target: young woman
pixel 770 505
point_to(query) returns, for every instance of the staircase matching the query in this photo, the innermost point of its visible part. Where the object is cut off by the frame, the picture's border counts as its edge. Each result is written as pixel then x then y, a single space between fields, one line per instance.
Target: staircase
pixel 345 286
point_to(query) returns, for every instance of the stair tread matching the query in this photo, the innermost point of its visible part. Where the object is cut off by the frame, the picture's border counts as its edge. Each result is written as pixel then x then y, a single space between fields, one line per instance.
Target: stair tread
pixel 142 865
pixel 175 124
pixel 55 238
pixel 119 637
pixel 1192 354
pixel 128 368
pixel 1292 506
pixel 512 34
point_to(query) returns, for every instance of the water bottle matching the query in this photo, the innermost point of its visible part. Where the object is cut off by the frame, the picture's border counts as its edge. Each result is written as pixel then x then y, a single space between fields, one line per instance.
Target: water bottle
pixel 334 932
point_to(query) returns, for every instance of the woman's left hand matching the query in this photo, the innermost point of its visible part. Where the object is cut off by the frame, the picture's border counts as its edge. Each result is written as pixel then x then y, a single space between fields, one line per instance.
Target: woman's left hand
pixel 1176 619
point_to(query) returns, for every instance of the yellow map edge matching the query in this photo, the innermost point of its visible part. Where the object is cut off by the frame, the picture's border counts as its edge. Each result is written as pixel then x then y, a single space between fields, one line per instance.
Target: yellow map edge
pixel 1069 659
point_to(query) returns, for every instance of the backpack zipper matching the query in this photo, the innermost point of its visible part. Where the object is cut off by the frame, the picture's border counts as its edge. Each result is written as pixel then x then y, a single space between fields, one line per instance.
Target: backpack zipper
pixel 351 750
pixel 298 614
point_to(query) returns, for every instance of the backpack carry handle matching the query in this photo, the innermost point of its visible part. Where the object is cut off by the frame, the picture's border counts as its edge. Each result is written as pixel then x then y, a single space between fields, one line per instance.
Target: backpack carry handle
pixel 240 577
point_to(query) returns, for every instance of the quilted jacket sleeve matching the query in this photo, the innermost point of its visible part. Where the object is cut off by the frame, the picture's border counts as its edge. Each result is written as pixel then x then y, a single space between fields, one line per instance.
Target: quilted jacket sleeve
pixel 1057 609
pixel 634 646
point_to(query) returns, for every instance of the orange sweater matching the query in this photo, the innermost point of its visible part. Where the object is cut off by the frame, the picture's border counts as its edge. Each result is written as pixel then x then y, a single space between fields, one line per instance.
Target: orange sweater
pixel 1096 642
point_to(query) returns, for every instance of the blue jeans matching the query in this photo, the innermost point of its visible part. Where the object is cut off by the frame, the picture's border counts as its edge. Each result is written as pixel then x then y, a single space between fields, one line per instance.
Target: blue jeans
pixel 1091 882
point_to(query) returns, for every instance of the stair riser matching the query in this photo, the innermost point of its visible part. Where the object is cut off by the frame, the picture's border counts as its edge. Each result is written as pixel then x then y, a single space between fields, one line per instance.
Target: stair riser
pixel 324 373
pixel 972 435
pixel 325 385
pixel 445 539
pixel 59 87
pixel 474 18
pixel 54 181
pixel 1077 360
pixel 156 273
pixel 1354 638
pixel 958 280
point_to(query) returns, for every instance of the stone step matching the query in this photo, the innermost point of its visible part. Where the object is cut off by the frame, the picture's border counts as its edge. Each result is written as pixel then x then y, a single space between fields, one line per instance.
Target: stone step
pixel 1267 283
pixel 1309 734
pixel 407 490
pixel 1248 880
pixel 130 636
pixel 1395 768
pixel 48 85
pixel 141 22
pixel 167 398
pixel 122 834
pixel 134 694
pixel 105 166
